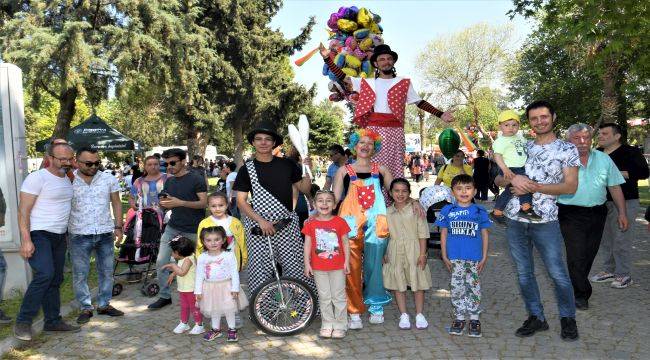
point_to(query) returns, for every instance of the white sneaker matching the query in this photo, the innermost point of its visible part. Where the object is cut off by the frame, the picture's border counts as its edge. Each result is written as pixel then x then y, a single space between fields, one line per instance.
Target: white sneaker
pixel 197 329
pixel 181 328
pixel 421 322
pixel 602 276
pixel 621 282
pixel 404 321
pixel 355 322
pixel 376 318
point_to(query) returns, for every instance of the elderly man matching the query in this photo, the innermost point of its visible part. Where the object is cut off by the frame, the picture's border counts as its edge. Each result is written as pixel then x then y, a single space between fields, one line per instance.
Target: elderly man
pixel 91 228
pixel 616 243
pixel 551 170
pixel 43 214
pixel 582 215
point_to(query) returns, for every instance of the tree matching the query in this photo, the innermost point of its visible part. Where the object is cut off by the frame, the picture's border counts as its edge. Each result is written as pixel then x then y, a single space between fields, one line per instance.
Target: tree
pixel 325 126
pixel 262 86
pixel 457 66
pixel 59 47
pixel 612 37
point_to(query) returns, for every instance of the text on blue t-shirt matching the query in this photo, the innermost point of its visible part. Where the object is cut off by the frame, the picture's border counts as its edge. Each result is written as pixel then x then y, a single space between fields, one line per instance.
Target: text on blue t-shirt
pixel 464 226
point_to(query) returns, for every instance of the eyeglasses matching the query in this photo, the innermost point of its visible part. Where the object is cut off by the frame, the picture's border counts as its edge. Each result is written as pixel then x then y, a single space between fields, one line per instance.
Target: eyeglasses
pixel 63 159
pixel 90 163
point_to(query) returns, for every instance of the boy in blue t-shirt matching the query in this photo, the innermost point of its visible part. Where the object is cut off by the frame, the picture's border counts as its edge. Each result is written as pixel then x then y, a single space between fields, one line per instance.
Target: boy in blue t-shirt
pixel 464 243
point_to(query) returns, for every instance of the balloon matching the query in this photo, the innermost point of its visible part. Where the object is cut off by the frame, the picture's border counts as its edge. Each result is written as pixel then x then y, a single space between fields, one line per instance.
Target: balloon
pixel 361 34
pixel 449 141
pixel 435 194
pixel 332 21
pixel 366 68
pixel 347 25
pixel 339 60
pixel 349 72
pixel 341 12
pixel 366 44
pixel 352 62
pixel 364 17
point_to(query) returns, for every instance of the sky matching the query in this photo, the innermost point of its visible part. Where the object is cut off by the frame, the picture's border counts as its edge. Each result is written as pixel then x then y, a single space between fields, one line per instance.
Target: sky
pixel 408 27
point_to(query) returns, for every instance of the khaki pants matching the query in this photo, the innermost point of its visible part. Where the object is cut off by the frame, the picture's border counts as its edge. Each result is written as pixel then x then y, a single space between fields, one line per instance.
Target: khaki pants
pixel 332 299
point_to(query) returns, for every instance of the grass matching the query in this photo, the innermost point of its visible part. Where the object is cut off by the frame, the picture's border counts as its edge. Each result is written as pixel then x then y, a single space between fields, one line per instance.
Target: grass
pixel 644 193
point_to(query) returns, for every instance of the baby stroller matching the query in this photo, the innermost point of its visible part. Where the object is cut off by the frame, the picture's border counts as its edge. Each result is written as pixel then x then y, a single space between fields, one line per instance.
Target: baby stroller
pixel 433 199
pixel 143 229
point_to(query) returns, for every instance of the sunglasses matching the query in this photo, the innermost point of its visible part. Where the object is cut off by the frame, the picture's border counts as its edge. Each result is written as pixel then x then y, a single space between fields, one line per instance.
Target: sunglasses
pixel 90 163
pixel 173 163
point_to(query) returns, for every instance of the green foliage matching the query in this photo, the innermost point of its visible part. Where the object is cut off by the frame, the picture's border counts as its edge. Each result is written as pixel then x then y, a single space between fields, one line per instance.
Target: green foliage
pixel 325 127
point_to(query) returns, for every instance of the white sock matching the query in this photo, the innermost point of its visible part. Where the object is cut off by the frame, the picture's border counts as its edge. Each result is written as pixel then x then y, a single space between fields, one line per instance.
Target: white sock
pixel 473 317
pixel 460 317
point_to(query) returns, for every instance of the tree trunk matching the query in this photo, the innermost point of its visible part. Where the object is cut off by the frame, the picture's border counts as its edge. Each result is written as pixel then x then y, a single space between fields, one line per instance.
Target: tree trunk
pixel 193 137
pixel 609 99
pixel 67 108
pixel 238 140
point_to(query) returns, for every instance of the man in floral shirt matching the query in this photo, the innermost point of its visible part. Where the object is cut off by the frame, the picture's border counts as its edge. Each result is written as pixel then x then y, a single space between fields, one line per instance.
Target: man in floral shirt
pixel 92 228
pixel 551 170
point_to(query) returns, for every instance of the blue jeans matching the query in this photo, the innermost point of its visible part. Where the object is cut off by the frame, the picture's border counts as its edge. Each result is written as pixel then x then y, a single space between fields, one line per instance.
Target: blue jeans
pixel 547 238
pixel 506 195
pixel 3 273
pixel 164 257
pixel 81 246
pixel 47 276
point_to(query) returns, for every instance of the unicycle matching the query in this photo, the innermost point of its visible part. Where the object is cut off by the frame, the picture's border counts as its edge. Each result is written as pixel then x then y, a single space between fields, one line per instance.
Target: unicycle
pixel 282 306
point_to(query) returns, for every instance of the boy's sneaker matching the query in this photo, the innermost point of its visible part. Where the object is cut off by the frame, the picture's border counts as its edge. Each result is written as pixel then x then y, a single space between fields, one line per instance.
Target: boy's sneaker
pixel 529 215
pixel 232 335
pixel 181 328
pixel 569 329
pixel 621 282
pixel 197 330
pixel 421 322
pixel 531 326
pixel 61 327
pixel 474 329
pixel 212 334
pixel 457 327
pixel 404 322
pixel 355 322
pixel 376 318
pixel 501 219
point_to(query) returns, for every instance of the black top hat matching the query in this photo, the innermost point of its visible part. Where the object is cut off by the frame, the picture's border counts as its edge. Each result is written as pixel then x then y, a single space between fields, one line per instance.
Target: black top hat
pixel 265 127
pixel 380 50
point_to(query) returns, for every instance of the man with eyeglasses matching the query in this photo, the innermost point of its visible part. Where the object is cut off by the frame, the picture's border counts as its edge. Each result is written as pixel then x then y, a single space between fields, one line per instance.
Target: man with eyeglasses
pixel 43 213
pixel 91 228
pixel 186 194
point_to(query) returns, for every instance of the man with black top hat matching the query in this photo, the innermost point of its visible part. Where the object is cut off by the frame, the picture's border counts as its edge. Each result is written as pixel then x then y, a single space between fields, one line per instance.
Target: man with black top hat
pixel 271 181
pixel 382 104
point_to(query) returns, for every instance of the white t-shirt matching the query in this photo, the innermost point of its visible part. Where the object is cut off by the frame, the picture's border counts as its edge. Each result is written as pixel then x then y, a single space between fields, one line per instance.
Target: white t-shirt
pixel 381 92
pixel 230 179
pixel 51 210
pixel 216 268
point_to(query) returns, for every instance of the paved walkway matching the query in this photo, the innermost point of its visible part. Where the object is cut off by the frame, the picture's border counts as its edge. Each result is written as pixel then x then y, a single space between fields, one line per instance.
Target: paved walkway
pixel 611 328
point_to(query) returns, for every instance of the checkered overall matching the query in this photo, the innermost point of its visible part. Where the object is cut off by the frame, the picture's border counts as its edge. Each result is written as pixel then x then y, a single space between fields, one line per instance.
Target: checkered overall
pixel 287 243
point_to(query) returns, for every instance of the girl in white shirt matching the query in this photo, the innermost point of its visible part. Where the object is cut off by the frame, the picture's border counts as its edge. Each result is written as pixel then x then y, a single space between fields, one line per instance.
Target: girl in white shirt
pixel 217 283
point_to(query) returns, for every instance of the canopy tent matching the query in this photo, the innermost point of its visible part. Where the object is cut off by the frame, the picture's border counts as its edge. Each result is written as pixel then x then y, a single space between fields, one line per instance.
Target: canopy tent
pixel 94 132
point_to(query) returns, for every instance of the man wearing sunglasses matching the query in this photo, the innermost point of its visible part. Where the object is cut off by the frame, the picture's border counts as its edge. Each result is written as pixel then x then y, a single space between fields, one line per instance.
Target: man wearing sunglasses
pixel 185 193
pixel 43 214
pixel 91 228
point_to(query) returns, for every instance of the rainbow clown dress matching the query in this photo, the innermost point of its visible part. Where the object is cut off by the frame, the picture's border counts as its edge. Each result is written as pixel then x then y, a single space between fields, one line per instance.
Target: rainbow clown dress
pixel 364 210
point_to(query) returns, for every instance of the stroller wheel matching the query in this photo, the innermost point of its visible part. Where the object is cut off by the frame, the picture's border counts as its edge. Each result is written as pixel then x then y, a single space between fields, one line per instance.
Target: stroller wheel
pixel 117 289
pixel 151 290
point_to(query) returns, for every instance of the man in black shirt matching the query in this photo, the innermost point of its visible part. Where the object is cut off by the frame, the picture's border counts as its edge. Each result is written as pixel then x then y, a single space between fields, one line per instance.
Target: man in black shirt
pixel 271 181
pixel 185 194
pixel 615 243
pixel 481 175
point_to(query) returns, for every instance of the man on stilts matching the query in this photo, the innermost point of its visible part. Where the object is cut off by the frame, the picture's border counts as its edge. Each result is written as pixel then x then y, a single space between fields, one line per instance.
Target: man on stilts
pixel 382 104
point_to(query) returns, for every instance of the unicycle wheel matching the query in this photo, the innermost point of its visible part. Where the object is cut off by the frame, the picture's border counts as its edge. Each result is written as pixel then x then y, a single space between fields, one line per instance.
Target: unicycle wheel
pixel 275 317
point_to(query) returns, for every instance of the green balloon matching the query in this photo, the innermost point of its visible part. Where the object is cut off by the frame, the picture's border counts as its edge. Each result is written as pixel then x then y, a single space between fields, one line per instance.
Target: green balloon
pixel 449 141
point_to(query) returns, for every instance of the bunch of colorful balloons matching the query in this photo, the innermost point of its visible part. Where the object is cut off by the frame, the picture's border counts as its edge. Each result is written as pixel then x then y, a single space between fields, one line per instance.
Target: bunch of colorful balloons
pixel 354 33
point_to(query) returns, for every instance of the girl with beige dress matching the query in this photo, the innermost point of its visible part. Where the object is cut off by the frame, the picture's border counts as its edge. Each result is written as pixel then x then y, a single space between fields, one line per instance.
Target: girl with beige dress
pixel 405 263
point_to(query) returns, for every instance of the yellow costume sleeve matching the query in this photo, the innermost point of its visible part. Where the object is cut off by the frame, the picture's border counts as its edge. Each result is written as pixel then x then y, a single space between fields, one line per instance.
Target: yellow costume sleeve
pixel 240 242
